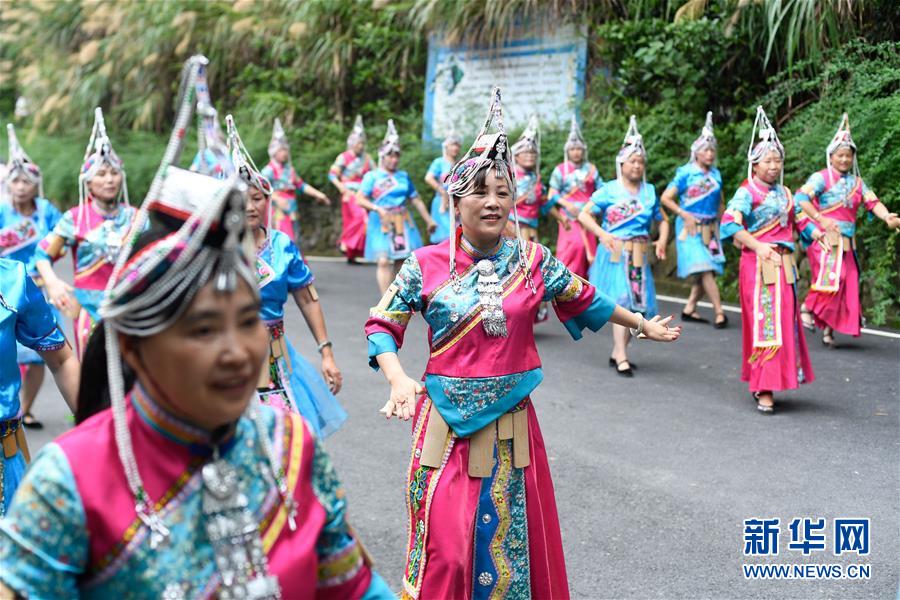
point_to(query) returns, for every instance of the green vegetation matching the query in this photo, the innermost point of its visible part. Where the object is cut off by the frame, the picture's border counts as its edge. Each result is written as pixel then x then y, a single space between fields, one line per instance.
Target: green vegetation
pixel 317 63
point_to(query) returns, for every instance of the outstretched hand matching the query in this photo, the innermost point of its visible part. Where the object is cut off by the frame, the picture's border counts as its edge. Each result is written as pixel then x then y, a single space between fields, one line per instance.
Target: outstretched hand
pixel 403 399
pixel 658 330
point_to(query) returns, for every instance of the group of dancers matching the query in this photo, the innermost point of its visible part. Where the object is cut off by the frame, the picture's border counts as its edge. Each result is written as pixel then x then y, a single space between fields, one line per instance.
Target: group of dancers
pixel 195 468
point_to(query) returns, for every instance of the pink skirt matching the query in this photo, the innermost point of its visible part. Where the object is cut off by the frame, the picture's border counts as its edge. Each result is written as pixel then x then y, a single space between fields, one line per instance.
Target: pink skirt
pixel 839 310
pixel 482 537
pixel 576 248
pixel 782 366
pixel 284 223
pixel 353 227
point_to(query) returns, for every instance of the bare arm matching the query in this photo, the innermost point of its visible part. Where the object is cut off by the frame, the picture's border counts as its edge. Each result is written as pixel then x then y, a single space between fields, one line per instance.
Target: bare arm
pixel 669 200
pixel 320 197
pixel 404 389
pixel 588 221
pixel 315 319
pixel 66 372
pixel 423 211
pixel 891 219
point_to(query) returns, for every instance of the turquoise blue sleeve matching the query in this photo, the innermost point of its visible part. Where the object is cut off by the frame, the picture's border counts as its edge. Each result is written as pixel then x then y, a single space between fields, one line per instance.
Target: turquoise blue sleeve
pixel 599 201
pixel 36 326
pixel 814 186
pixel 380 343
pixel 596 316
pixel 679 184
pixel 44 545
pixel 435 168
pixel 298 273
pixel 741 202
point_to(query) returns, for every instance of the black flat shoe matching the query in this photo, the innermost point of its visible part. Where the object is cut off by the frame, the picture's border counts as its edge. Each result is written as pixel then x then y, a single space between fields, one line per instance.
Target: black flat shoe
pixel 627 372
pixel 721 324
pixel 613 363
pixel 762 408
pixel 30 422
pixel 691 318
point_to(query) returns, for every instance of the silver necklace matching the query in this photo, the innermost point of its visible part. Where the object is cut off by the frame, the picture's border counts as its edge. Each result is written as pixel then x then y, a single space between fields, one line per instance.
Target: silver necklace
pixel 234 535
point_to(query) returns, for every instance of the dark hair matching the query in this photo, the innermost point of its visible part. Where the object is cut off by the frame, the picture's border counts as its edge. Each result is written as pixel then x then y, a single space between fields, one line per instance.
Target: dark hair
pixel 480 177
pixel 93 389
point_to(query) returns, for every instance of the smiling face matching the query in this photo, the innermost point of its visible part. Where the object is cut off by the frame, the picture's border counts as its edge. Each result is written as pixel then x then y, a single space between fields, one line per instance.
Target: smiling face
pixel 257 208
pixel 768 169
pixel 22 190
pixel 842 159
pixel 485 211
pixel 633 167
pixel 104 186
pixel 205 367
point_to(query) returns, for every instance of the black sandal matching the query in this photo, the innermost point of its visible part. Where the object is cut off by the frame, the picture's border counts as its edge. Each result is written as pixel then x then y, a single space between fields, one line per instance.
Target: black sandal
pixel 691 318
pixel 30 422
pixel 828 341
pixel 624 372
pixel 723 323
pixel 766 410
pixel 613 363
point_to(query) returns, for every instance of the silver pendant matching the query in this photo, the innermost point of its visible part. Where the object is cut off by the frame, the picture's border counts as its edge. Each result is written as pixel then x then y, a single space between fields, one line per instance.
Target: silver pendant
pixel 490 296
pixel 234 535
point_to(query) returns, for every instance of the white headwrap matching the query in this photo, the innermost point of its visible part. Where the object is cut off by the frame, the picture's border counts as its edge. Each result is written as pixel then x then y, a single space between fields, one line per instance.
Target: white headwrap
pixel 768 141
pixel 530 141
pixel 632 144
pixel 279 139
pixel 842 139
pixel 575 140
pixel 358 134
pixel 99 152
pixel 391 142
pixel 20 164
pixel 707 138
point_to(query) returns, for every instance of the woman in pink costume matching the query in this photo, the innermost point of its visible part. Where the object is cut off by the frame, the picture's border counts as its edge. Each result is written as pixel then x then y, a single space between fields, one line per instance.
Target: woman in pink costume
pixel 829 203
pixel 760 217
pixel 346 174
pixel 482 514
pixel 571 185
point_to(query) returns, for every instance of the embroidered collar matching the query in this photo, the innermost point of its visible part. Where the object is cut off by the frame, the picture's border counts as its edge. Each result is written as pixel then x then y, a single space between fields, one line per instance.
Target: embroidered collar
pixel 175 428
pixel 477 254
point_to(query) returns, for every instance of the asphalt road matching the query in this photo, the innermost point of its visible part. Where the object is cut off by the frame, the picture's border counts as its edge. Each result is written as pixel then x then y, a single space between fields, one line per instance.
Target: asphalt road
pixel 654 476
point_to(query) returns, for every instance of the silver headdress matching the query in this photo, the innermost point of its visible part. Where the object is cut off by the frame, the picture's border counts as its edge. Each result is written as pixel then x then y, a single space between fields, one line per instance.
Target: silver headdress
pixel 20 164
pixel 279 139
pixel 212 153
pixel 149 289
pixel 575 140
pixel 358 134
pixel 768 141
pixel 490 150
pixel 632 144
pixel 842 139
pixel 530 140
pixel 99 152
pixel 391 142
pixel 707 138
pixel 244 165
